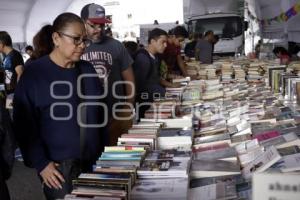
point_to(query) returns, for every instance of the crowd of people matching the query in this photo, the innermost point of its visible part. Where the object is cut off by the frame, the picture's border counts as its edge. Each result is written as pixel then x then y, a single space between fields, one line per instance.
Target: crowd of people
pixel 78 90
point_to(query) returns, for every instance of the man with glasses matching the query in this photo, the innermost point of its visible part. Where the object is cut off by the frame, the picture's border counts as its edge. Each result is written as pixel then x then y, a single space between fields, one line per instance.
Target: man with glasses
pixel 113 64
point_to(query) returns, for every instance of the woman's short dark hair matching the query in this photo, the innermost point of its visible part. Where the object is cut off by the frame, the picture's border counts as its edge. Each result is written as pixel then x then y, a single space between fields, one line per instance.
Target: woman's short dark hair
pixel 5 38
pixel 42 41
pixel 155 34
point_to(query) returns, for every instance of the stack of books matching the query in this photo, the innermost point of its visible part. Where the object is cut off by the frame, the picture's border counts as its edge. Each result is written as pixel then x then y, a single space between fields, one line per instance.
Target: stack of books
pixel 213 90
pixel 160 189
pixel 255 72
pixel 211 72
pixel 192 94
pixel 221 187
pixel 175 138
pixel 227 72
pixel 102 186
pixel 174 93
pixel 274 76
pixel 243 131
pixel 207 72
pixel 191 68
pixel 112 156
pixel 162 109
pixel 140 136
pixel 239 73
pixel 165 164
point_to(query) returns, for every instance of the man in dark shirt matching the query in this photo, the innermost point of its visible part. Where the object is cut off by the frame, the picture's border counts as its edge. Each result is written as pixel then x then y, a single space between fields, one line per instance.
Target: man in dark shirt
pixel 13 62
pixel 146 69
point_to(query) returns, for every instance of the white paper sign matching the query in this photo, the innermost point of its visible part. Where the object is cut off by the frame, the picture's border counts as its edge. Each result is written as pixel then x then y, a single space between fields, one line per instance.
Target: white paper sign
pixel 276 186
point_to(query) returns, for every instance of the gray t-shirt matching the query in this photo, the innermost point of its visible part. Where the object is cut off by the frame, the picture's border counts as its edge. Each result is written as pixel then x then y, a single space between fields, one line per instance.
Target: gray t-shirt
pixel 204 51
pixel 110 58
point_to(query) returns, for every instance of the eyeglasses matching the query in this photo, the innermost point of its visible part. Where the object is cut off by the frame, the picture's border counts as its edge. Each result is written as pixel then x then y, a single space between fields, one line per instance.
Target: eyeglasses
pixel 95 27
pixel 77 40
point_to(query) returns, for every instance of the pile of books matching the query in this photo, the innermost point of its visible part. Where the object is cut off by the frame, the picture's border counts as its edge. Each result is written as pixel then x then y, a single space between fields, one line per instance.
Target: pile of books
pixel 164 174
pixel 192 93
pixel 121 158
pixel 254 135
pixel 165 164
pixel 213 90
pixel 141 135
pixel 174 93
pixel 239 73
pixel 163 108
pixel 181 80
pixel 191 68
pixel 160 189
pixel 102 185
pixel 227 72
pixel 244 129
pixel 207 72
pixel 274 76
pixel 175 138
pixel 255 72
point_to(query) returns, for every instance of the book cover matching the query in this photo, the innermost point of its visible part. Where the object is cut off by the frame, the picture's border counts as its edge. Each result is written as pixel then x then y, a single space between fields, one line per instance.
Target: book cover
pixel 208 168
pixel 160 189
pixel 261 163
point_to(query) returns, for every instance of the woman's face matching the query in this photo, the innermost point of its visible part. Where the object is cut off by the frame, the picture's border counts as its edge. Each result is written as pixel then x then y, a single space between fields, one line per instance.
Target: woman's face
pixel 71 41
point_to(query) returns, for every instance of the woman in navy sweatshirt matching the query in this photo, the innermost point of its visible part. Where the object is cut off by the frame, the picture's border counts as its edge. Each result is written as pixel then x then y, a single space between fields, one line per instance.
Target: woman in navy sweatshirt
pixel 47 109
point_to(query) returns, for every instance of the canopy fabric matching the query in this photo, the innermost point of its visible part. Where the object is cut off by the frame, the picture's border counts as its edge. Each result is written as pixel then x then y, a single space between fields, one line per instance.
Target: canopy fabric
pixel 23 18
pixel 276 29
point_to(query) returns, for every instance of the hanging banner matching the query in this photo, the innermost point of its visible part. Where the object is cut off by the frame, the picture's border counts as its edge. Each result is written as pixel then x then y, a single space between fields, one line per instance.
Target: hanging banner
pixel 282 17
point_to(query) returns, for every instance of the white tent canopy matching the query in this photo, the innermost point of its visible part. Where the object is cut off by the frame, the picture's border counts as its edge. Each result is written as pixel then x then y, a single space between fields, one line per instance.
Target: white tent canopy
pixel 23 18
pixel 262 9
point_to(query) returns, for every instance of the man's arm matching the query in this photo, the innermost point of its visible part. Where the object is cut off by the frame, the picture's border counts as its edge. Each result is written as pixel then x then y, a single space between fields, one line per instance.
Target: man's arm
pixel 19 70
pixel 128 76
pixel 181 65
pixel 166 83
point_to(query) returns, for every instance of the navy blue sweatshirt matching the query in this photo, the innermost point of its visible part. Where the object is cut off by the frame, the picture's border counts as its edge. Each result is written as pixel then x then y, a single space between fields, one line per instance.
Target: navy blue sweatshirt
pixel 46 124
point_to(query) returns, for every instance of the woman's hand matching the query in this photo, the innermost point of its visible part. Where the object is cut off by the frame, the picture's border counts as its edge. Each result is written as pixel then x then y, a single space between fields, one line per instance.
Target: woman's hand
pixel 51 176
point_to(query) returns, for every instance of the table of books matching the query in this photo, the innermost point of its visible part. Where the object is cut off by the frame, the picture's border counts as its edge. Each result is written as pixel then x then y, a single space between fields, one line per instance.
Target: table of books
pixel 229 135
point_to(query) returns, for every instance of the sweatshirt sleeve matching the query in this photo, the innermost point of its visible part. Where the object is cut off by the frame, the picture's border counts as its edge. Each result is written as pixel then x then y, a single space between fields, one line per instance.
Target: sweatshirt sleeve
pixel 26 123
pixel 142 66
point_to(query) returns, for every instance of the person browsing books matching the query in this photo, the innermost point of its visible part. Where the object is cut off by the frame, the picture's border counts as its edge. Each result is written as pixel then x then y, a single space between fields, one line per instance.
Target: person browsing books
pixel 146 69
pixel 46 110
pixel 113 64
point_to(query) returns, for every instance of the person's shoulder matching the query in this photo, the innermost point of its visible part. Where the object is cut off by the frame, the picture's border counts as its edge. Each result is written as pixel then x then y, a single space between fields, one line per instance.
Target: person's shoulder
pixel 85 63
pixel 142 54
pixel 86 66
pixel 39 64
pixel 16 52
pixel 115 43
